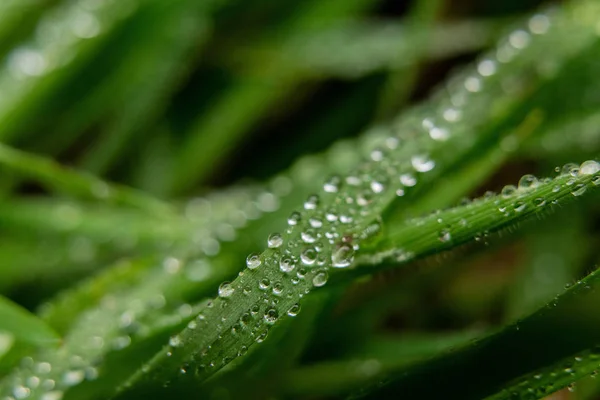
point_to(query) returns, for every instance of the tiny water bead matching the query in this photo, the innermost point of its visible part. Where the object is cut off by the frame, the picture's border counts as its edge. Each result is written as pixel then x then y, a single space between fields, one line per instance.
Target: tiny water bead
pixel 320 279
pixel 445 236
pixel 275 240
pixel 253 261
pixel 226 289
pixel 342 256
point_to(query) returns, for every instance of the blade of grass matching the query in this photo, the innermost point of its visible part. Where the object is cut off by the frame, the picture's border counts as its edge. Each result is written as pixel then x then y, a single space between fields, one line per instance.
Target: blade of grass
pixel 25 326
pixel 78 184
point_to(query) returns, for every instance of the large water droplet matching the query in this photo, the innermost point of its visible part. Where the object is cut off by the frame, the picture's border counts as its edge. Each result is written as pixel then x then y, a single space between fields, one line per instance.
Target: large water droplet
pixel 253 261
pixel 320 279
pixel 342 256
pixel 294 218
pixel 226 289
pixel 589 167
pixel 308 256
pixel 275 240
pixel 528 182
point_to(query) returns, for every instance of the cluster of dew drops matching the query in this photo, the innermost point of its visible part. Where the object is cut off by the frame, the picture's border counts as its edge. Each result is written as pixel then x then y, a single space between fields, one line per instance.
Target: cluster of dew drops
pixel 321 237
pixel 528 182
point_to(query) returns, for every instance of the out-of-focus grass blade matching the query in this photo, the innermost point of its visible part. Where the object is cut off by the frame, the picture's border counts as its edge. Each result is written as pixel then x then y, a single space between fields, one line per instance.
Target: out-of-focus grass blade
pixel 214 134
pixel 152 72
pixel 566 327
pixel 354 48
pixel 25 326
pixel 378 358
pixel 77 184
pixel 556 253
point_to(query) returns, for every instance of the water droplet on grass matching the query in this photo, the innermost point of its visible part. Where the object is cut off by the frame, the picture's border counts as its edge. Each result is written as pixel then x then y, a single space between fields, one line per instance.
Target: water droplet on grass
pixel 253 261
pixel 342 256
pixel 275 240
pixel 320 279
pixel 226 289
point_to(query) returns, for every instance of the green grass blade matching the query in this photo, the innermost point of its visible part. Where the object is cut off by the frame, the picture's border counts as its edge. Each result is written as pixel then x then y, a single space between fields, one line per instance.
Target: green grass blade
pixel 77 184
pixel 25 326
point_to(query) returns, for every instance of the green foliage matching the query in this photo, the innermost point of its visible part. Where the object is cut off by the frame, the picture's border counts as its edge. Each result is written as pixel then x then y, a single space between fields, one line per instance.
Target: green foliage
pixel 360 270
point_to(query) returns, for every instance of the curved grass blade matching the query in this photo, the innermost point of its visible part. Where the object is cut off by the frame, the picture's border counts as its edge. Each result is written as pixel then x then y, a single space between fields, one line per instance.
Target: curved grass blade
pixel 25 326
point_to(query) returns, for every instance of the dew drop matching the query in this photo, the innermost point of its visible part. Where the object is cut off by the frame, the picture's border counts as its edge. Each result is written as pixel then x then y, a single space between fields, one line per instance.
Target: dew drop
pixel 315 222
pixel 332 185
pixel 294 310
pixel 294 218
pixel 589 167
pixel 422 163
pixel 261 338
pixel 308 236
pixel 275 240
pixel 74 377
pixel 445 236
pixel 253 261
pixel 486 68
pixel 287 264
pixel 271 316
pixel 377 187
pixel 528 182
pixel 277 288
pixel 508 191
pixel 264 284
pixel 226 290
pixel 441 134
pixel 320 279
pixel 311 203
pixel 570 169
pixel 408 180
pixel 520 206
pixel 308 256
pixel 342 256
